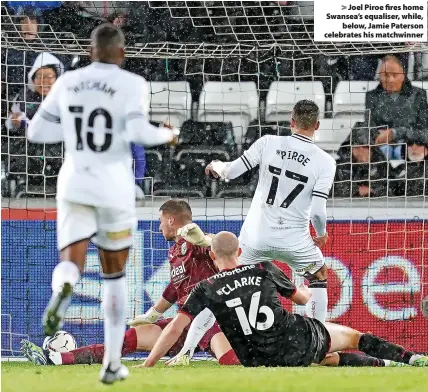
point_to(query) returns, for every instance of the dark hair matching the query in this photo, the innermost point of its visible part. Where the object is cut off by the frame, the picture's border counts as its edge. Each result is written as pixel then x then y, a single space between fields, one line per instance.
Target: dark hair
pixel 53 67
pixel 107 35
pixel 305 114
pixel 177 208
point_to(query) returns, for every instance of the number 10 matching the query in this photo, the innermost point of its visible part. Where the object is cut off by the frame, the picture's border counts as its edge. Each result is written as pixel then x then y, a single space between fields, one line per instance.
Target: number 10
pixel 276 171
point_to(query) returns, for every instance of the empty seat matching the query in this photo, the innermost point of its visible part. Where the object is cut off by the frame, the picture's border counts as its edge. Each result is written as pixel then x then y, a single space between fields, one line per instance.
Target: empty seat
pixel 332 132
pixel 258 129
pixel 350 98
pixel 237 102
pixel 171 102
pixel 282 97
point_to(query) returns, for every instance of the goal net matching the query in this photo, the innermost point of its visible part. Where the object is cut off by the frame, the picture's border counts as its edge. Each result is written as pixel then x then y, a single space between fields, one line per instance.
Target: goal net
pixel 226 73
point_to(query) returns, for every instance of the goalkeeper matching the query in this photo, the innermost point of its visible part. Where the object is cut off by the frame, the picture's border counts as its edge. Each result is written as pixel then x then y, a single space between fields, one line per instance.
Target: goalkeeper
pixel 190 263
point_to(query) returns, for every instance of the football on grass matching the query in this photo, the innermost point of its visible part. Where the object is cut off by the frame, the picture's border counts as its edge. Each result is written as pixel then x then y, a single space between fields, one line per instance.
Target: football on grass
pixel 62 342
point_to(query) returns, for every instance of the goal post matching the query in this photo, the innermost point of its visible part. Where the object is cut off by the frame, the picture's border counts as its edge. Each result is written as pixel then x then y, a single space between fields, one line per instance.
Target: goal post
pixel 257 60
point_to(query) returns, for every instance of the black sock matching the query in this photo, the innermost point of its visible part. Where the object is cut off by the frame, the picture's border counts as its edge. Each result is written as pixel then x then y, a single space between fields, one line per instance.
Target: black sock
pixel 352 359
pixel 379 348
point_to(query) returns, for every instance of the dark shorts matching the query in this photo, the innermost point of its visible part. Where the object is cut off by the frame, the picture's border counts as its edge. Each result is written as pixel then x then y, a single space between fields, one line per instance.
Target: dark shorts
pixel 203 345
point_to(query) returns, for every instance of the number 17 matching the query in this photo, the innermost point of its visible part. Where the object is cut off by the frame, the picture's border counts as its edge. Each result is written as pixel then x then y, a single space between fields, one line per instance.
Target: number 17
pixel 276 171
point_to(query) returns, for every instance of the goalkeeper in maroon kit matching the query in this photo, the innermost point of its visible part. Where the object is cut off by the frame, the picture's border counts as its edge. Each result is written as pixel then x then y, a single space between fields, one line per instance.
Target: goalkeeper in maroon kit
pixel 190 263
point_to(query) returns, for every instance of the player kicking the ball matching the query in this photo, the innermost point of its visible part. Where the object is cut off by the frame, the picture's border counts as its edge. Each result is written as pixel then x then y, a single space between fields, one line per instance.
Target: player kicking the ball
pixel 98 111
pixel 244 301
pixel 295 177
pixel 190 263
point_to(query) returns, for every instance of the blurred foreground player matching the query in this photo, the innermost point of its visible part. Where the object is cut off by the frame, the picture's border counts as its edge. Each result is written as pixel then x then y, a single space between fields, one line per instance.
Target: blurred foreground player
pixel 295 181
pixel 189 264
pixel 98 111
pixel 244 301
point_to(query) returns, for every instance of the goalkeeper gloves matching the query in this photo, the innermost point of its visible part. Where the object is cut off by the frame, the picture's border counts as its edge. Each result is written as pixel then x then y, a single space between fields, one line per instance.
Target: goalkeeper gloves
pixel 150 317
pixel 192 233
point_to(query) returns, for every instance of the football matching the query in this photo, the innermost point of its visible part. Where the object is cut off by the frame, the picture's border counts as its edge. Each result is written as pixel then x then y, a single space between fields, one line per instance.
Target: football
pixel 61 342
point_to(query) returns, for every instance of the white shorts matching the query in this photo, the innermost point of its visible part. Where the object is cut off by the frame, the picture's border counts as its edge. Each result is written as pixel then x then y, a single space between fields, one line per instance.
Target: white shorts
pixel 306 260
pixel 108 228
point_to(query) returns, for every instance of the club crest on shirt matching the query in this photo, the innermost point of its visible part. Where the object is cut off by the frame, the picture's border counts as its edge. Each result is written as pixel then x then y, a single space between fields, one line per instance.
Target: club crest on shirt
pixel 281 221
pixel 184 248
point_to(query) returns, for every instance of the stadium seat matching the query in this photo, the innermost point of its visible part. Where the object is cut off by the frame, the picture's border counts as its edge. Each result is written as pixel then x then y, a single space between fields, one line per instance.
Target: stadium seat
pixel 237 102
pixel 257 129
pixel 421 84
pixel 332 132
pixel 349 98
pixel 171 102
pixel 283 95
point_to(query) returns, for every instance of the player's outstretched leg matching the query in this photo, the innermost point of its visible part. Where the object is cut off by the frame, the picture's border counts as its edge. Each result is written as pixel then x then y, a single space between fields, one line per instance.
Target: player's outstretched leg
pixel 358 360
pixel 344 338
pixel 64 277
pixel 114 303
pixel 317 305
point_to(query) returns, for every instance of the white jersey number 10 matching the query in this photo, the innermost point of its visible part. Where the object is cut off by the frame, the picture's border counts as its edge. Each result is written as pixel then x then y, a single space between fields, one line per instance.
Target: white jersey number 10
pixel 250 321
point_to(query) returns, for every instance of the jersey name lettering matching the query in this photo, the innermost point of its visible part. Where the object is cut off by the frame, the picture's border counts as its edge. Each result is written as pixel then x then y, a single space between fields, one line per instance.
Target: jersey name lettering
pixel 92 85
pixel 250 281
pixel 293 155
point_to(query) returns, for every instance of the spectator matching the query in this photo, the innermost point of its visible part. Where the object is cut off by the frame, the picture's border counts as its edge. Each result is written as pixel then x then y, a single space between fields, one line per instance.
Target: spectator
pixel 361 169
pixel 46 69
pixel 412 176
pixel 139 157
pixel 396 104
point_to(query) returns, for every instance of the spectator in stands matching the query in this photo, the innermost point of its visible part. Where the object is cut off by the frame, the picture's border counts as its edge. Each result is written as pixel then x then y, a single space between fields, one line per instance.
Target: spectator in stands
pixel 139 157
pixel 396 104
pixel 45 71
pixel 361 169
pixel 411 177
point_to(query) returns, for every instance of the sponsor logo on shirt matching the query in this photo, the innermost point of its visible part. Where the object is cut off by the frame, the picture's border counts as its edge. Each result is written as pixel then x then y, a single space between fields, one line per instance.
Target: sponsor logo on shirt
pixel 179 270
pixel 308 268
pixel 119 235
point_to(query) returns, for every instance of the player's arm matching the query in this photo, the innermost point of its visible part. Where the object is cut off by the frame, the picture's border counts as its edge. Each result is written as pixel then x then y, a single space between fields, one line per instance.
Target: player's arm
pixel 169 297
pixel 138 127
pixel 319 201
pixel 45 126
pixel 247 161
pixel 194 304
pixel 285 287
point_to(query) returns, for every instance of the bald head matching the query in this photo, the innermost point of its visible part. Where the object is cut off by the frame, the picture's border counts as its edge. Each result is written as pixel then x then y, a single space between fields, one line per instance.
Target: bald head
pixel 225 245
pixel 108 43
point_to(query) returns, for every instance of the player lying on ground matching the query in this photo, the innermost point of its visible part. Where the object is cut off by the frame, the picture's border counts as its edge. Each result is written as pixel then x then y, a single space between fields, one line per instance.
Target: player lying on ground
pixel 190 263
pixel 244 301
pixel 98 111
pixel 194 235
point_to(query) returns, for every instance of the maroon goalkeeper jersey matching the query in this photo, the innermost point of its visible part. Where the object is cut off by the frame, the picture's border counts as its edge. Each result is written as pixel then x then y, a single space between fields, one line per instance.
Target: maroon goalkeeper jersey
pixel 189 264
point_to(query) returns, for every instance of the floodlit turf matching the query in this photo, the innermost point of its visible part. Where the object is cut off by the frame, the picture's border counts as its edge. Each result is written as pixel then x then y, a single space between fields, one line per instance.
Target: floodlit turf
pixel 209 376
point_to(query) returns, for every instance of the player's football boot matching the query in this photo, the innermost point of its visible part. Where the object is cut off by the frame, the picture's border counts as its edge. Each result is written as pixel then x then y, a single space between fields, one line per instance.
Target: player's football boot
pixel 108 376
pixel 397 364
pixel 33 353
pixel 55 312
pixel 421 361
pixel 179 360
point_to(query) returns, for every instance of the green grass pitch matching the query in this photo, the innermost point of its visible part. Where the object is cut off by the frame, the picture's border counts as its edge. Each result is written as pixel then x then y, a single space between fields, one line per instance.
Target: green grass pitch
pixel 209 376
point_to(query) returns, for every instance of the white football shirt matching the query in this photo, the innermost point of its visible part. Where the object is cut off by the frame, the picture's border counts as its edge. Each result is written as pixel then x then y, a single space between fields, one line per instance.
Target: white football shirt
pixel 292 170
pixel 98 111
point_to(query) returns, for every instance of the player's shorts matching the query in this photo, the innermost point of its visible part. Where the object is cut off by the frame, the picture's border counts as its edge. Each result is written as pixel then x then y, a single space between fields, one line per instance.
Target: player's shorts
pixel 109 228
pixel 203 345
pixel 308 259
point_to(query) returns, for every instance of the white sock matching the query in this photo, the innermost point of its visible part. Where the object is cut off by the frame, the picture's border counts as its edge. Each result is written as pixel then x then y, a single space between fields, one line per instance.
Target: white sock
pixel 114 303
pixel 200 325
pixel 387 362
pixel 65 272
pixel 413 358
pixel 317 304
